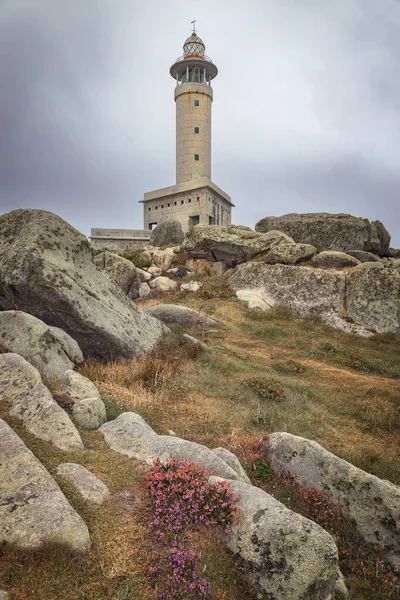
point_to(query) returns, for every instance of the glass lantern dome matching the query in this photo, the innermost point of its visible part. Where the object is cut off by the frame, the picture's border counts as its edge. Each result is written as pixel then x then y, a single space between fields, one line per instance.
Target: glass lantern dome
pixel 194 46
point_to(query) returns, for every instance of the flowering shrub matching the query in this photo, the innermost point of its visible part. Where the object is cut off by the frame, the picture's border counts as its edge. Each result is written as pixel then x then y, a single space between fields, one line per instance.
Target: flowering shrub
pixel 181 499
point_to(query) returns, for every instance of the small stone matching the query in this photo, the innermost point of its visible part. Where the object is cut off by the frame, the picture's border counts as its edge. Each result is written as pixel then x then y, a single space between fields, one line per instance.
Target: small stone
pixel 154 271
pixel 163 284
pixel 90 487
pixel 192 286
pixel 143 275
pixel 194 341
pixel 181 315
pixel 4 595
pixel 144 290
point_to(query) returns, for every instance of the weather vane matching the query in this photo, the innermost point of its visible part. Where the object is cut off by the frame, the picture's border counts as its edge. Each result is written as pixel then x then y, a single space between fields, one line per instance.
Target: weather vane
pixel 194 25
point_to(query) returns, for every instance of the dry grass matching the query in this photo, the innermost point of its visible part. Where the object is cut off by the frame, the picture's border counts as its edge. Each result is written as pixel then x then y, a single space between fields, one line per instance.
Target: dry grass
pixel 346 398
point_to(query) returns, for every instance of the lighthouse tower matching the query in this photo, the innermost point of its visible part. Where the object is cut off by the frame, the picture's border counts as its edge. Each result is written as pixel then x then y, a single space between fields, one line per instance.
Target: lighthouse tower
pixel 194 199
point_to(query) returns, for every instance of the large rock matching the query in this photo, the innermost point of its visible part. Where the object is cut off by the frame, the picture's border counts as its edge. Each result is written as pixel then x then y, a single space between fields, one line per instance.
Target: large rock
pixel 33 510
pixel 90 487
pixel 87 408
pixel 236 244
pixel 166 233
pixel 28 399
pixel 373 503
pixel 130 435
pixel 44 347
pixel 281 553
pixel 46 269
pixel 121 271
pixel 327 231
pixel 368 295
pixel 181 315
pixel 334 260
pixel 373 297
pixel 302 289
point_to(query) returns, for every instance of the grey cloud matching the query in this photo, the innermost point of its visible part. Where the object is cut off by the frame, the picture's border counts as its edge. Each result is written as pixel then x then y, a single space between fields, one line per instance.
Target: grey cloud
pixel 305 118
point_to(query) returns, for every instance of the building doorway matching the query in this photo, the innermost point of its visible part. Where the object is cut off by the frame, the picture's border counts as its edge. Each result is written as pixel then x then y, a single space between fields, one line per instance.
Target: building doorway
pixel 195 220
pixel 152 226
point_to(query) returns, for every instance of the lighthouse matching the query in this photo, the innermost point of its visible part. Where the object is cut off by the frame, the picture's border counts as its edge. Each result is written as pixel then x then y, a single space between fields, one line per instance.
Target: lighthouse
pixel 194 199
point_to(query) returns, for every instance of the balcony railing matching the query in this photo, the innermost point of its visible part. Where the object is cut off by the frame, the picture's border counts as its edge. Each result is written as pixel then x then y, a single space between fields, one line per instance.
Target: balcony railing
pixel 183 57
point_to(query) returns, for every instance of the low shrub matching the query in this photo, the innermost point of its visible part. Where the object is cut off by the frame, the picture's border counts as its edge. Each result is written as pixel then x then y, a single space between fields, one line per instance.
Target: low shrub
pixel 181 500
pixel 266 387
pixel 290 366
pixel 134 256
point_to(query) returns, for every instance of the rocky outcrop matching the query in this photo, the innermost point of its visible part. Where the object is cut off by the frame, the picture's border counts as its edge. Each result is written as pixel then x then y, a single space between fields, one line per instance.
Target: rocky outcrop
pixel 327 231
pixel 373 503
pixel 281 553
pixel 26 398
pixel 234 245
pixel 33 510
pixel 166 233
pixel 331 259
pixel 87 408
pixel 373 297
pixel 121 271
pixel 163 284
pixel 130 435
pixel 44 347
pixel 90 487
pixel 367 295
pixel 181 315
pixel 46 269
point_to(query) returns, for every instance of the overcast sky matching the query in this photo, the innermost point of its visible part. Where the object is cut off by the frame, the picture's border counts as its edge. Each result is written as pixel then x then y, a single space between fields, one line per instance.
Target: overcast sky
pixel 306 111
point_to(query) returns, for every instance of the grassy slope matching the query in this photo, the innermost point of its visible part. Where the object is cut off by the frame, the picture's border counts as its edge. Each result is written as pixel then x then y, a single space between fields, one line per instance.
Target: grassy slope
pixel 346 397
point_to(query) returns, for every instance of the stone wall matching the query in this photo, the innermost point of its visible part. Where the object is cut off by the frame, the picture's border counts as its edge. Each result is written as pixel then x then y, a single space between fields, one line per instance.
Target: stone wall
pixel 123 239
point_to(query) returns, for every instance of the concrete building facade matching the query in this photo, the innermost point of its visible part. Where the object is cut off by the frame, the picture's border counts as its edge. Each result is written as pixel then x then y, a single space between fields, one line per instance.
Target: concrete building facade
pixel 194 199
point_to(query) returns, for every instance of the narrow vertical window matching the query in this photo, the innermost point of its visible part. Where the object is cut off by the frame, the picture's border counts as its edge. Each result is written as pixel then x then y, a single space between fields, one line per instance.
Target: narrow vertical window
pixel 196 157
pixel 197 102
pixel 197 129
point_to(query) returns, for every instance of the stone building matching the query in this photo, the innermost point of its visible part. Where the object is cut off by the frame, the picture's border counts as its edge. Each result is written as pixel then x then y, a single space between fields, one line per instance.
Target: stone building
pixel 194 198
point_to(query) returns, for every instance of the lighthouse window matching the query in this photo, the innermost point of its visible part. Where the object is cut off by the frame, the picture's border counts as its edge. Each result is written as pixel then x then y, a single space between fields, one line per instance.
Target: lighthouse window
pixel 149 209
pixel 197 129
pixel 196 157
pixel 197 102
pixel 196 74
pixel 189 200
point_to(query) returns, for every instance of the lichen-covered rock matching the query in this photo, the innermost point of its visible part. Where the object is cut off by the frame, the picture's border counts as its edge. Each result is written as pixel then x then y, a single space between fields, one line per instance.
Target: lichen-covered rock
pixel 334 260
pixel 289 253
pixel 46 269
pixel 234 245
pixel 28 399
pixel 130 435
pixel 46 348
pixel 363 256
pixel 327 231
pixel 87 410
pixel 363 299
pixel 4 595
pixel 163 284
pixel 192 341
pixel 301 289
pixel 33 510
pixel 373 503
pixel 90 487
pixel 163 258
pixel 395 252
pixel 279 552
pixel 166 233
pixel 233 462
pixel 181 315
pixel 373 297
pixel 121 271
